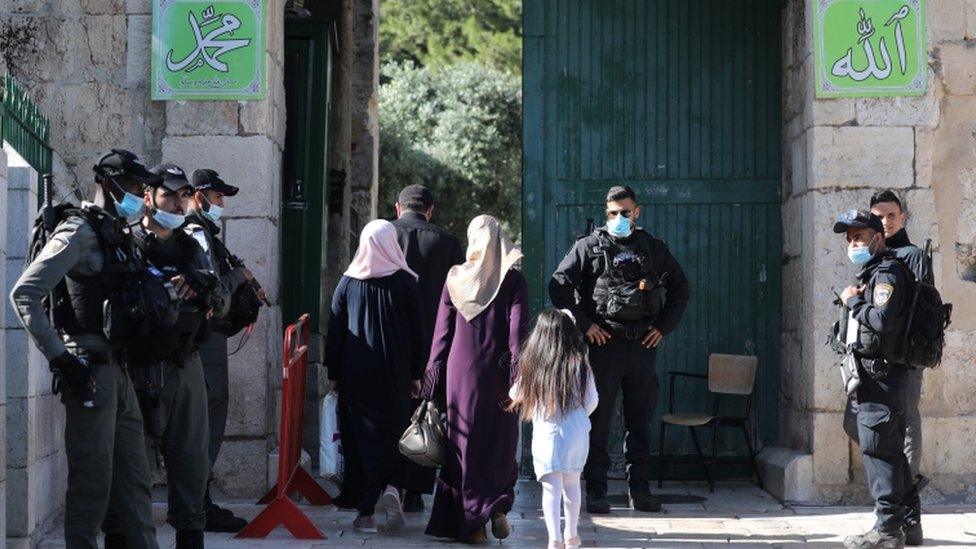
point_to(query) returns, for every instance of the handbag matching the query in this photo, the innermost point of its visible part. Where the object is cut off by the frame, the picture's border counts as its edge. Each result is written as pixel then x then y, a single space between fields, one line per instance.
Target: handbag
pixel 424 442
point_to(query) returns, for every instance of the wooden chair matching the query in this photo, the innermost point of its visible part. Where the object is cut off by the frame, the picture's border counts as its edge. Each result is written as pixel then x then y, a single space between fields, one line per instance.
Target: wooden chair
pixel 727 375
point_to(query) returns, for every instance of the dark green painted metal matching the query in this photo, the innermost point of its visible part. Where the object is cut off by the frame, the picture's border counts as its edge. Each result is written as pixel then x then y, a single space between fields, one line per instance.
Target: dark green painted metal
pixel 308 68
pixel 681 100
pixel 23 126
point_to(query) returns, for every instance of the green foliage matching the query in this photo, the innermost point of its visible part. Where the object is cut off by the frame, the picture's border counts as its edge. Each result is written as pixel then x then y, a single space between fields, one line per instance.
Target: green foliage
pixel 435 33
pixel 457 131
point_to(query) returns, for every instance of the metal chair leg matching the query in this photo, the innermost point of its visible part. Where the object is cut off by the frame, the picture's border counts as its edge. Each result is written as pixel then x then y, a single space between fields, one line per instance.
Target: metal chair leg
pixel 752 457
pixel 711 484
pixel 660 467
pixel 701 456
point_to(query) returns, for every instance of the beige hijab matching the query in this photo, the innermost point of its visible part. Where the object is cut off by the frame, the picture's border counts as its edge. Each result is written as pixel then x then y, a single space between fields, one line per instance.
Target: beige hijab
pixel 379 254
pixel 473 285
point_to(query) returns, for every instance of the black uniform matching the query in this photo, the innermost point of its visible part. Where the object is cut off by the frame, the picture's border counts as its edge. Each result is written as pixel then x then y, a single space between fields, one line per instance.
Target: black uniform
pixel 882 311
pixel 626 300
pixel 431 252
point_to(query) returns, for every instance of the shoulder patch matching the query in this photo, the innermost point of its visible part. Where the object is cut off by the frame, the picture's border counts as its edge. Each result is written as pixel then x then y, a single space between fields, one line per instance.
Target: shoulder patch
pixel 882 293
pixel 53 247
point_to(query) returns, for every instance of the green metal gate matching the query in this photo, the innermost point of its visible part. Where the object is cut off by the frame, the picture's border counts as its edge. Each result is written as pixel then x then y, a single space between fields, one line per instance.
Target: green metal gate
pixel 23 126
pixel 681 100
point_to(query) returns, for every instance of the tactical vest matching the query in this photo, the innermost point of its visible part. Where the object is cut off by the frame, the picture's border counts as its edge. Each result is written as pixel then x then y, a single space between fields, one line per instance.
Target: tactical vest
pixel 887 346
pixel 190 329
pixel 83 304
pixel 628 293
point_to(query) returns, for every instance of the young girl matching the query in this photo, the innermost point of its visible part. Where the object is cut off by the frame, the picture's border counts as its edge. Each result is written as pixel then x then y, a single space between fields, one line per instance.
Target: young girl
pixel 555 390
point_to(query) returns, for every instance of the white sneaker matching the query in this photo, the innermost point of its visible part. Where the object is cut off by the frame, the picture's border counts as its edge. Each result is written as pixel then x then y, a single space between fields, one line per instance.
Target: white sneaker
pixel 389 503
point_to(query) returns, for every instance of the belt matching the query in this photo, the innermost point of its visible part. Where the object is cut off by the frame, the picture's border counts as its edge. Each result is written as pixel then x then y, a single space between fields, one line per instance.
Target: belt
pixel 629 333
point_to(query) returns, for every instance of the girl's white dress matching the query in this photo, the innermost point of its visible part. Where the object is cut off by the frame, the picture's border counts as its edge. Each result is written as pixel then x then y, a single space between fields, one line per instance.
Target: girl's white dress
pixel 562 444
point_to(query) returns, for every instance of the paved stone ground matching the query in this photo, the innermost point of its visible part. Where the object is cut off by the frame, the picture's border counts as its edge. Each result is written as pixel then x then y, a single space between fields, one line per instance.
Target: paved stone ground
pixel 737 514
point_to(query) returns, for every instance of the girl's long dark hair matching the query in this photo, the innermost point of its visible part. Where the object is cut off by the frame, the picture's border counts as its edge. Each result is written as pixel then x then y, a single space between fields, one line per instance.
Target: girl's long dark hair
pixel 553 368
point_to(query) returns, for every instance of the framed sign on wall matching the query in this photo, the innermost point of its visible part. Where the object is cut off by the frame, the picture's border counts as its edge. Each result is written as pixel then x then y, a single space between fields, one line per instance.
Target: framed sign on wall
pixel 869 48
pixel 209 50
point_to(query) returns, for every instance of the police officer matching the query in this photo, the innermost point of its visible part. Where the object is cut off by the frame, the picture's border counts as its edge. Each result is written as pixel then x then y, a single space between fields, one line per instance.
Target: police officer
pixel 879 304
pixel 206 208
pixel 83 264
pixel 615 282
pixel 167 364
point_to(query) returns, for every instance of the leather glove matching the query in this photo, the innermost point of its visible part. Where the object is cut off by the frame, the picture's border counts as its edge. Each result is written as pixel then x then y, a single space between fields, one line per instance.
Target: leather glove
pixel 73 374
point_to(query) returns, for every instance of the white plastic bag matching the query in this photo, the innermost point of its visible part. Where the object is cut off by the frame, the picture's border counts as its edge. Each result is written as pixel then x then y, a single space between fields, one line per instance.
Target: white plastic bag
pixel 330 447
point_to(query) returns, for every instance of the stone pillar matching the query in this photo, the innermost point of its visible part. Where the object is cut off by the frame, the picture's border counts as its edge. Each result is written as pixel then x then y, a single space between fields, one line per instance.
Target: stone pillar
pixel 837 153
pixel 36 468
pixel 364 113
pixel 243 142
pixel 3 362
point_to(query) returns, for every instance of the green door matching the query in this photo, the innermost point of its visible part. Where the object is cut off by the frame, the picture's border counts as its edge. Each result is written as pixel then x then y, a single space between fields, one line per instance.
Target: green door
pixel 679 99
pixel 308 61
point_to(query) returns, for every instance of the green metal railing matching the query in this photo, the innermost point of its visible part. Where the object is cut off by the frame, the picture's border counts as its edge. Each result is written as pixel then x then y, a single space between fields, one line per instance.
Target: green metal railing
pixel 23 126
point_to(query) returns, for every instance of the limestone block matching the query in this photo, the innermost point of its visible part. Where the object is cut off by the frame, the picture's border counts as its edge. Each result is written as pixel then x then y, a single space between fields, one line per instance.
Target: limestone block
pixel 920 111
pixel 104 7
pixel 83 114
pixel 833 112
pixel 148 126
pixel 945 20
pixel 854 156
pixel 958 69
pixel 18 448
pixel 47 425
pixel 924 139
pixel 241 470
pixel 105 40
pixel 799 163
pixel 20 214
pixel 255 241
pixel 20 518
pixel 949 444
pixel 141 7
pixel 948 389
pixel 831 459
pixel 201 118
pixel 922 217
pixel 248 373
pixel 787 474
pixel 251 163
pixel 138 49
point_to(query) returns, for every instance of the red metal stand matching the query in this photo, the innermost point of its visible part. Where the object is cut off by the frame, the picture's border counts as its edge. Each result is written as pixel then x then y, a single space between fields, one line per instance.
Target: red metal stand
pixel 281 510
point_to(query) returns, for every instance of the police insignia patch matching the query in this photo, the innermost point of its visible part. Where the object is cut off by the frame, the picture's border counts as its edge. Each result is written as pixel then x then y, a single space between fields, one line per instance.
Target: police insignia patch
pixel 53 246
pixel 882 293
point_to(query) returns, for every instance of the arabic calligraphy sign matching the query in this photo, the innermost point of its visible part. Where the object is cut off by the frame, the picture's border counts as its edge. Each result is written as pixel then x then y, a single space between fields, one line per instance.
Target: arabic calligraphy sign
pixel 869 48
pixel 208 50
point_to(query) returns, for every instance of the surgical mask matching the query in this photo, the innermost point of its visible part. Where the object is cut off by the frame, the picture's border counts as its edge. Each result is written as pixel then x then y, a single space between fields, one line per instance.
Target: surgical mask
pixel 861 254
pixel 213 212
pixel 619 226
pixel 132 207
pixel 168 220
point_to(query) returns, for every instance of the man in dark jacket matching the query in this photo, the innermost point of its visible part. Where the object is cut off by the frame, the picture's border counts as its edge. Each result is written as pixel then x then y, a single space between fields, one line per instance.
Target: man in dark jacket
pixel 627 292
pixel 431 252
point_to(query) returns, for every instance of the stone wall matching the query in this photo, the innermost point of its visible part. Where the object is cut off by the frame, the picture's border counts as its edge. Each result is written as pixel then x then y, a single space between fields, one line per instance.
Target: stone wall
pixel 3 361
pixel 837 153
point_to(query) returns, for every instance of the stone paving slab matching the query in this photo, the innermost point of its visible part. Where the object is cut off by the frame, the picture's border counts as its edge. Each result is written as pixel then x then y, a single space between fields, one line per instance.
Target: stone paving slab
pixel 735 515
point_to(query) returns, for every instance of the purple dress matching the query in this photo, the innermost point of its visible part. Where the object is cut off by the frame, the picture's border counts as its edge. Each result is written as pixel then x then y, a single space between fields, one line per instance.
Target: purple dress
pixel 471 370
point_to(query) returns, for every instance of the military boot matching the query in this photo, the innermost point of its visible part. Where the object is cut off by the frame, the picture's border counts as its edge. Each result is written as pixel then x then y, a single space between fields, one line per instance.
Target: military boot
pixel 876 539
pixel 913 532
pixel 644 501
pixel 597 503
pixel 189 539
pixel 114 541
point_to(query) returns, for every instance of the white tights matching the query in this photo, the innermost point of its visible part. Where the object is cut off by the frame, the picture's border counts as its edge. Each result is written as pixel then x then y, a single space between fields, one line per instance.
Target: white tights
pixel 561 490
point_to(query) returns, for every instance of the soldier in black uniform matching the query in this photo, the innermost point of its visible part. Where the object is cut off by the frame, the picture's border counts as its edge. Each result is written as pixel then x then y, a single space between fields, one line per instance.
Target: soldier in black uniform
pixel 879 304
pixel 87 270
pixel 626 292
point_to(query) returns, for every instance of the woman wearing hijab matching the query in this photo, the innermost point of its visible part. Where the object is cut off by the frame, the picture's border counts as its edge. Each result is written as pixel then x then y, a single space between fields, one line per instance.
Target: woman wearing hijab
pixel 481 324
pixel 374 355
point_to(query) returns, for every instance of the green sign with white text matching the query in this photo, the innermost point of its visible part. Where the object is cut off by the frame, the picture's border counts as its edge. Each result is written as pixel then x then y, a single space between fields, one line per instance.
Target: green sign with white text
pixel 208 50
pixel 869 48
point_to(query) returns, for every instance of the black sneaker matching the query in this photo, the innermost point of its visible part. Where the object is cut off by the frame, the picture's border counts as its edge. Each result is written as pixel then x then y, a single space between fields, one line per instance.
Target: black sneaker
pixel 876 540
pixel 913 532
pixel 597 504
pixel 413 502
pixel 644 501
pixel 223 520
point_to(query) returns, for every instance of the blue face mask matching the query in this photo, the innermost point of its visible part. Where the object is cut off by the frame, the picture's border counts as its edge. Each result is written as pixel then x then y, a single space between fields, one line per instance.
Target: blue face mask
pixel 859 256
pixel 168 220
pixel 132 207
pixel 619 226
pixel 213 212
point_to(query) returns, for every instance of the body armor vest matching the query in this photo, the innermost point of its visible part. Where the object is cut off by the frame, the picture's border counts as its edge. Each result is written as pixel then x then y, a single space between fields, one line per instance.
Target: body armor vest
pixel 628 294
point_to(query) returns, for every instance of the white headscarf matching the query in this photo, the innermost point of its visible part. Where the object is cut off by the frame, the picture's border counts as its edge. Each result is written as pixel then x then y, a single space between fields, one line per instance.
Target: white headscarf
pixel 379 254
pixel 474 284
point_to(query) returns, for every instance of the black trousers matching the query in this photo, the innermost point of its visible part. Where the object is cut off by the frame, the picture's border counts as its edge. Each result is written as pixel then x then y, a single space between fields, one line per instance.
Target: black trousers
pixel 881 422
pixel 622 365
